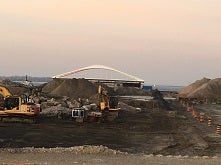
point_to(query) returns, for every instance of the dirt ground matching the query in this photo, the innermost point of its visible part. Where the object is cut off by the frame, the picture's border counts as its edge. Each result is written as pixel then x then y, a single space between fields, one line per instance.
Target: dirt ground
pixel 68 158
pixel 136 135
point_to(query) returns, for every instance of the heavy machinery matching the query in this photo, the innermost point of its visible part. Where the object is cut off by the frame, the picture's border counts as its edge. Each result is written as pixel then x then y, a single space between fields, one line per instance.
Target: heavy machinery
pixel 17 107
pixel 107 108
pixel 106 102
pixel 108 105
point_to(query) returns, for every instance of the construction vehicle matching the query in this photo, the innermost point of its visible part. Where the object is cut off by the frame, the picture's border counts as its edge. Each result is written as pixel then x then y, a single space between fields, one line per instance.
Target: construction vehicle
pixel 107 108
pixel 17 107
pixel 106 102
pixel 108 105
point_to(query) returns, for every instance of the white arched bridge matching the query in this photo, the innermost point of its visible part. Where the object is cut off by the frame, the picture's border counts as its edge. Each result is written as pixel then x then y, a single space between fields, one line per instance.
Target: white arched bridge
pixel 103 74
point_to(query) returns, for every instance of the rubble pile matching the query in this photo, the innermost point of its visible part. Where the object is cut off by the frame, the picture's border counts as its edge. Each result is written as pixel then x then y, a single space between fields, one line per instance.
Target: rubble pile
pixel 85 149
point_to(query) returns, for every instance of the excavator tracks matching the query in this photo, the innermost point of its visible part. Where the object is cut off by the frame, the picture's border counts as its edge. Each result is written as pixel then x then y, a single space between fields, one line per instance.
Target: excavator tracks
pixel 18 119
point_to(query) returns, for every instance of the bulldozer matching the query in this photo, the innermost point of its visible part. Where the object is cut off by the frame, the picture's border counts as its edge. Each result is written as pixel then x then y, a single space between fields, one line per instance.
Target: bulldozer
pixel 17 107
pixel 107 108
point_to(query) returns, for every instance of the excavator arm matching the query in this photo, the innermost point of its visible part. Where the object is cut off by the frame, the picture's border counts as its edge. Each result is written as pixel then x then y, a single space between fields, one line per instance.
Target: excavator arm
pixel 4 92
pixel 103 99
pixel 15 105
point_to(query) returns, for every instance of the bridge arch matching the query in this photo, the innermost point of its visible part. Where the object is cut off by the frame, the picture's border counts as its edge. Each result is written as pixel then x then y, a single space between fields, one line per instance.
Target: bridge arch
pixel 134 78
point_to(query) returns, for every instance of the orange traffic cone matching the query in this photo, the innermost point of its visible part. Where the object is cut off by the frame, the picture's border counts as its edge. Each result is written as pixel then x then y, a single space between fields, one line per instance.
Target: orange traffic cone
pixel 202 116
pixel 194 114
pixel 188 109
pixel 206 100
pixel 209 122
pixel 218 129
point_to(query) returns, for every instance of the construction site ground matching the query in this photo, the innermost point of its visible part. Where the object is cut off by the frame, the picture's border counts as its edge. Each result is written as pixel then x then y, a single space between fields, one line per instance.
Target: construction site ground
pixel 154 136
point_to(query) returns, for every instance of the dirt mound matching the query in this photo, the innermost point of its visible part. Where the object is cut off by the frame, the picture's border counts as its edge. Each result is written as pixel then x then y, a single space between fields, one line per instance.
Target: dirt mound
pixel 15 88
pixel 73 88
pixel 82 88
pixel 205 88
pixel 132 91
pixel 192 87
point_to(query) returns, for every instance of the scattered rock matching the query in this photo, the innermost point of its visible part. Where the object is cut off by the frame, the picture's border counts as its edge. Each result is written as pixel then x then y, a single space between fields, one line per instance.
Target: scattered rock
pixel 86 149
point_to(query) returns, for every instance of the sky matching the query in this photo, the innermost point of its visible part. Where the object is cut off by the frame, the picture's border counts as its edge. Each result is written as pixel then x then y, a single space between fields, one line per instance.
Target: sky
pixel 170 42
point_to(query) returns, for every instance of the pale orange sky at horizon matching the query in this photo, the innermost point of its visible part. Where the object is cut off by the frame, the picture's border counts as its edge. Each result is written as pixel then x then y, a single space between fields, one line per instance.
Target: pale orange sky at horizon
pixel 163 42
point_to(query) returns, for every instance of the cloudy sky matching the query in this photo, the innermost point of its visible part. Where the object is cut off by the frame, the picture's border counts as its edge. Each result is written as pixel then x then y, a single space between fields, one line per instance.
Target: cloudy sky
pixel 171 42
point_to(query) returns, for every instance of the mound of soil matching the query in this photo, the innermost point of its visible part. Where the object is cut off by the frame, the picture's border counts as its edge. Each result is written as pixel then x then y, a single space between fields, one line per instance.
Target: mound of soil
pixel 192 87
pixel 205 88
pixel 131 91
pixel 73 88
pixel 82 88
pixel 15 88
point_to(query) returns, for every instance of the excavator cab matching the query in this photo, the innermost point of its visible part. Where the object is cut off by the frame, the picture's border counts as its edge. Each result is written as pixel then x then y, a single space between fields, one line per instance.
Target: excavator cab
pixel 113 102
pixel 11 103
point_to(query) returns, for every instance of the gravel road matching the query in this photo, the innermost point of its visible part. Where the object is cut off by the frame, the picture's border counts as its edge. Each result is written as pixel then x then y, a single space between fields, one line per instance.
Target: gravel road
pixel 91 155
pixel 61 156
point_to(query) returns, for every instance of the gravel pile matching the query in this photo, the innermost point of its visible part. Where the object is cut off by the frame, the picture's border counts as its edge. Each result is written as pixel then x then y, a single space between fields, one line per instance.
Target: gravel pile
pixel 73 88
pixel 86 149
pixel 201 89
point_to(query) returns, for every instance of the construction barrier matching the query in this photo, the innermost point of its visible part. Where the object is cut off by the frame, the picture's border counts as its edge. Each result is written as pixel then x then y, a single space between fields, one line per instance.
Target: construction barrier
pixel 194 114
pixel 184 104
pixel 218 129
pixel 202 116
pixel 188 109
pixel 187 104
pixel 206 100
pixel 209 122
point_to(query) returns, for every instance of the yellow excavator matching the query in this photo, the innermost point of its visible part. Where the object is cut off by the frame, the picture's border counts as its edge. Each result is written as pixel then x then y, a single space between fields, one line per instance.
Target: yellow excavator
pixel 107 108
pixel 106 102
pixel 108 105
pixel 18 107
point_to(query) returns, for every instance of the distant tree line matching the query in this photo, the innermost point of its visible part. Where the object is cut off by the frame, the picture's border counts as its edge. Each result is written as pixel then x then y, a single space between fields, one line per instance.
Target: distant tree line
pixel 23 78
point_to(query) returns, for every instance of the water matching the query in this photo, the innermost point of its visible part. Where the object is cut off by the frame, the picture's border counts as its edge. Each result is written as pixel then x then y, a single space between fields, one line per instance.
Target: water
pixel 38 83
pixel 141 98
pixel 168 88
pixel 34 83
